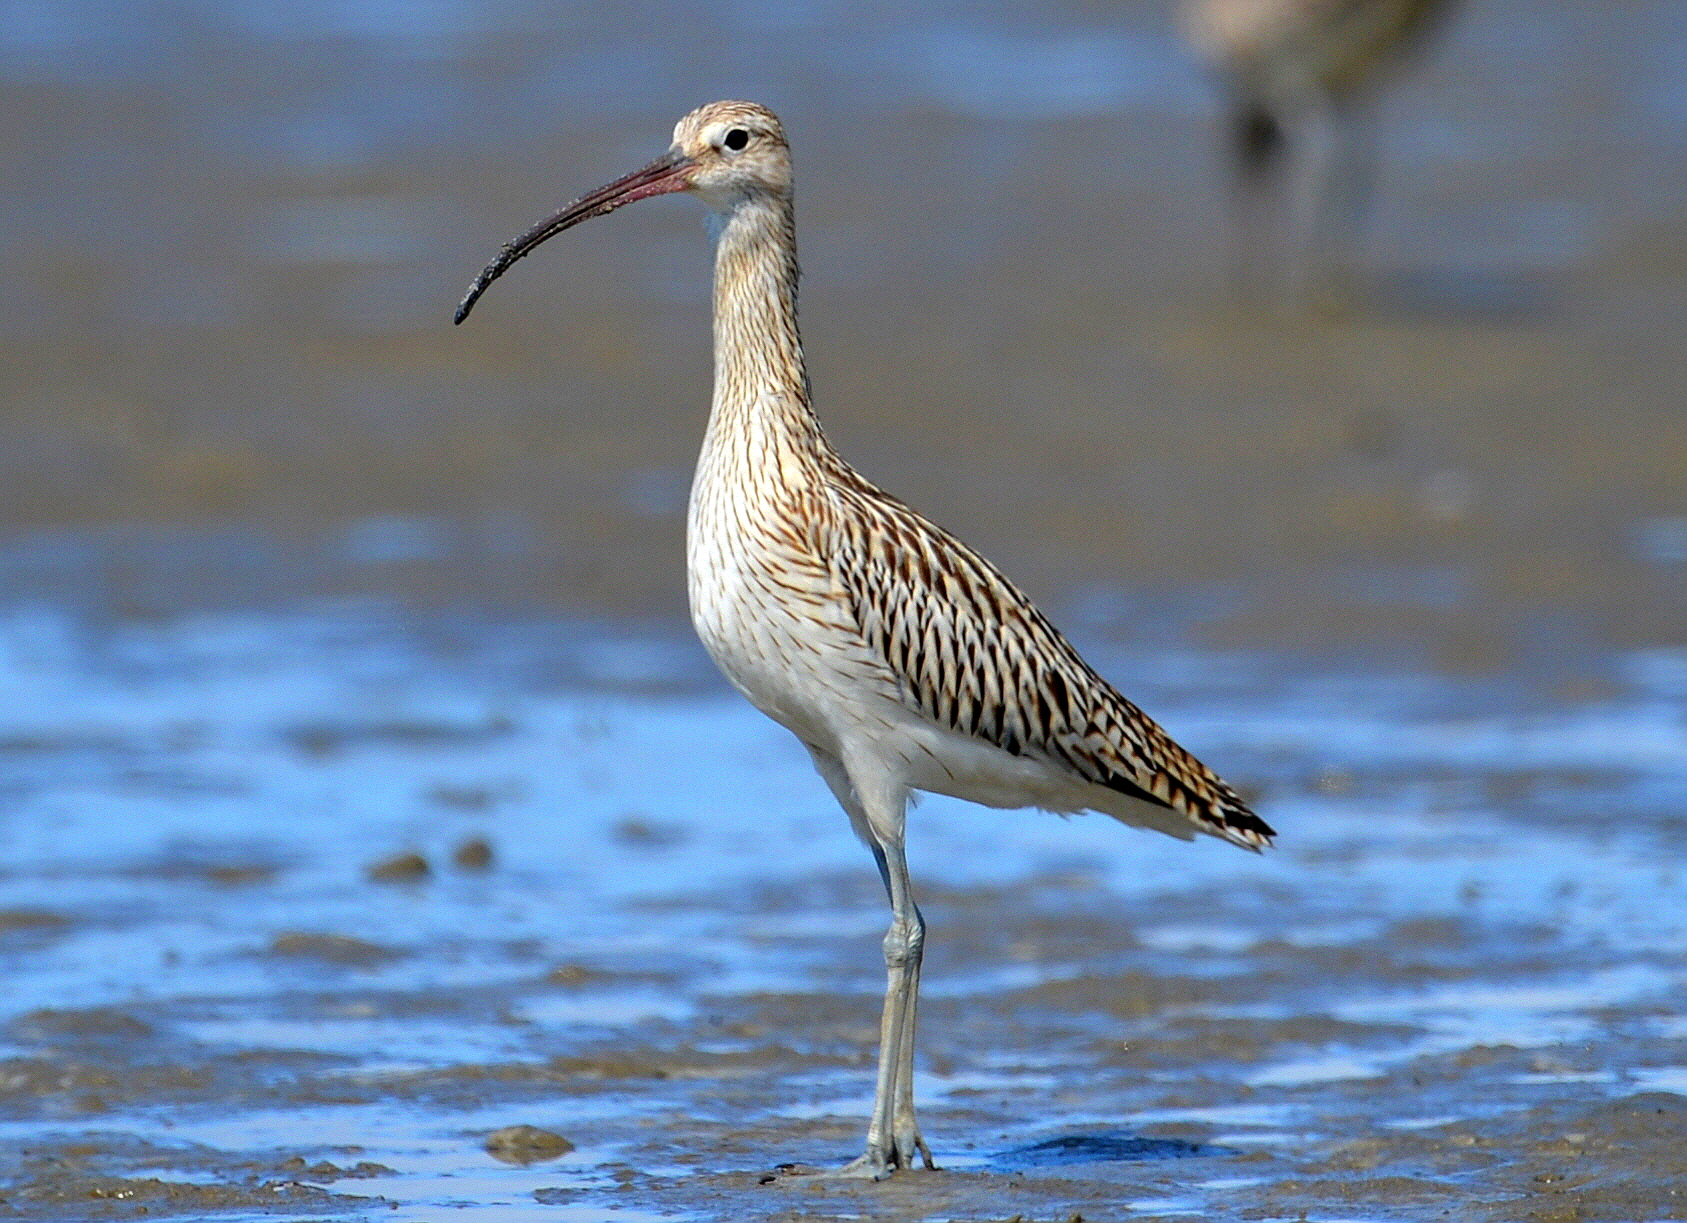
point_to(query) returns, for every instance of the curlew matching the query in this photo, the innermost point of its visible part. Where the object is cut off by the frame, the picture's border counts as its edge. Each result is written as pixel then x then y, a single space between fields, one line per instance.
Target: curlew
pixel 903 660
pixel 1301 75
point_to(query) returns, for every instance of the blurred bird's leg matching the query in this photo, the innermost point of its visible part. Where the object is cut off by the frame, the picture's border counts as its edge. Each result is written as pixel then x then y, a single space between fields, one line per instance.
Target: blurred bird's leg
pixel 1259 154
pixel 1334 191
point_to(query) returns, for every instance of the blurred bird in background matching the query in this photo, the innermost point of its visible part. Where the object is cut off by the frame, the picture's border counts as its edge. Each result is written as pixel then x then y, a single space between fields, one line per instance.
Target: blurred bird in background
pixel 1301 76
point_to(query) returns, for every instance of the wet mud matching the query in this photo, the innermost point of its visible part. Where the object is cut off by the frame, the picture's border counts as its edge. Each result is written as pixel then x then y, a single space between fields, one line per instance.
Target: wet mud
pixel 1451 991
pixel 376 842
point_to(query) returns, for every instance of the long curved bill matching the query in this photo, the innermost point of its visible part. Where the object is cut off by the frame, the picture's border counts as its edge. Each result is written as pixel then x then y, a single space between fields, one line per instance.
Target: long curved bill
pixel 669 172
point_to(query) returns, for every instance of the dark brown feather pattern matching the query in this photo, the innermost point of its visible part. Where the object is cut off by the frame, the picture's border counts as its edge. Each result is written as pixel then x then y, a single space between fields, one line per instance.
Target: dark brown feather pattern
pixel 975 655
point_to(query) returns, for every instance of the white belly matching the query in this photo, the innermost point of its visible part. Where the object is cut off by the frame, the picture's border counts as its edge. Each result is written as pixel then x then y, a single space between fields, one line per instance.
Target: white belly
pixel 774 622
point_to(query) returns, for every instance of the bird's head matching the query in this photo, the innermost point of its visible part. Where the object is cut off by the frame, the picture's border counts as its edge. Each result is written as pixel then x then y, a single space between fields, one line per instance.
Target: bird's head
pixel 737 151
pixel 725 153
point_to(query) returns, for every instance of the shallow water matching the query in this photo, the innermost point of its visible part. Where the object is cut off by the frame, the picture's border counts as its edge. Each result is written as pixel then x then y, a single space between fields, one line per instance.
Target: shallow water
pixel 363 794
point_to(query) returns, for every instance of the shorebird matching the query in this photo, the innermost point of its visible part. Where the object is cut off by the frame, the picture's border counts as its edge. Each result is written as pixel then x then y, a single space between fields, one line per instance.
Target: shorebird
pixel 902 659
pixel 1301 75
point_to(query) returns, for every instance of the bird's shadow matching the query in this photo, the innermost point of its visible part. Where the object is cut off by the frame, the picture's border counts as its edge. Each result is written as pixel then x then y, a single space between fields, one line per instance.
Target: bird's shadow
pixel 1103 1146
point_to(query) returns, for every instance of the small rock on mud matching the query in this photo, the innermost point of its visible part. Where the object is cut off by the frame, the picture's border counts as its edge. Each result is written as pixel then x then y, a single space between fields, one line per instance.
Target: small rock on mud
pixel 400 868
pixel 526 1144
pixel 475 854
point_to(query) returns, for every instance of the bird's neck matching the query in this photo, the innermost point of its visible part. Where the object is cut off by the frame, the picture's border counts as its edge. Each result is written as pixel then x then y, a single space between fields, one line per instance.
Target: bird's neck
pixel 761 384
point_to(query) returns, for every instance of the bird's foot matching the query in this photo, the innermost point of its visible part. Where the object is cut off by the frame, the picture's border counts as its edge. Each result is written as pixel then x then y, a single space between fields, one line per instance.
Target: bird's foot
pixel 875 1164
pixel 911 1144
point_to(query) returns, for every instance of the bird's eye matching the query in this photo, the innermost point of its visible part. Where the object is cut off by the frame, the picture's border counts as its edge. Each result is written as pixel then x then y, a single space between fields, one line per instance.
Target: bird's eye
pixel 736 139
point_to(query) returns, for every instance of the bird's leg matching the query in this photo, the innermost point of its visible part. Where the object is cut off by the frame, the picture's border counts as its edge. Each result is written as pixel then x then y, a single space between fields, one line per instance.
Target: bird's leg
pixel 903 952
pixel 1347 200
pixel 1259 149
pixel 893 1137
pixel 1334 190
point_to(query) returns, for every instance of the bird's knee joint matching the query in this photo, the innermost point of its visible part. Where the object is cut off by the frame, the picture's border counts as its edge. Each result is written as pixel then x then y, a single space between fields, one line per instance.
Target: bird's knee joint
pixel 904 943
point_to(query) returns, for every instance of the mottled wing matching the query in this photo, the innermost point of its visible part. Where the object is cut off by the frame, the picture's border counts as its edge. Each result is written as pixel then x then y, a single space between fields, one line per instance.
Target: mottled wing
pixel 976 656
